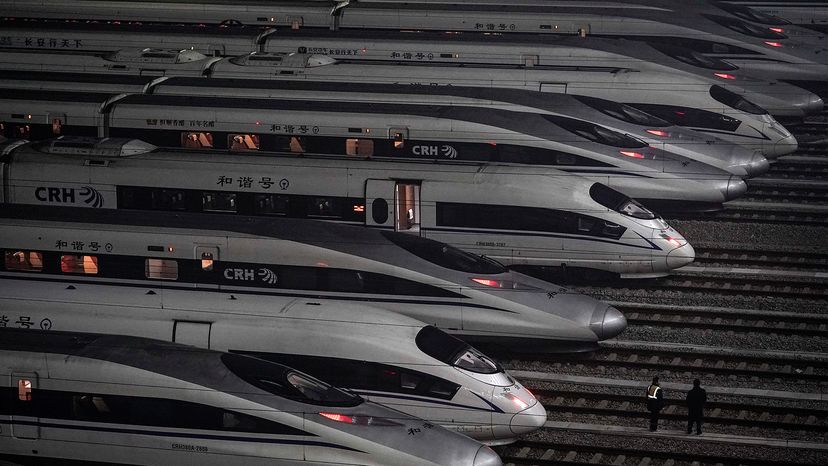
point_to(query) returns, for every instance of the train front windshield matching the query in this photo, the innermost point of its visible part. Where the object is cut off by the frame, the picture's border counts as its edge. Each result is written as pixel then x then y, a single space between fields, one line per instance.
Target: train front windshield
pixel 618 202
pixel 287 383
pixel 453 351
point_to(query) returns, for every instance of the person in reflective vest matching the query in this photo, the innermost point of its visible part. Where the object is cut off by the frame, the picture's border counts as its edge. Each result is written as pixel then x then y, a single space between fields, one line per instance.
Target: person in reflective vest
pixel 655 401
pixel 696 398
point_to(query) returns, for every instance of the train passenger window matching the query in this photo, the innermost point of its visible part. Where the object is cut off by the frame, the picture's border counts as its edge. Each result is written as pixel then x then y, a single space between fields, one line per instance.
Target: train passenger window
pixel 409 381
pixel 359 147
pixel 57 126
pixel 168 199
pixel 24 390
pixel 325 207
pixel 243 142
pixel 218 201
pixel 585 224
pixel 271 204
pixel 207 261
pixel 191 140
pixel 297 145
pixel 613 230
pixel 443 389
pixel 161 269
pixel 73 263
pixel 22 131
pixel 24 261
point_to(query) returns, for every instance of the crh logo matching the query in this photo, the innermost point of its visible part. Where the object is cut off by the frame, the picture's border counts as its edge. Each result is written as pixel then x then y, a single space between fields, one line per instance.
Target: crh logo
pixel 264 274
pixel 87 194
pixel 445 151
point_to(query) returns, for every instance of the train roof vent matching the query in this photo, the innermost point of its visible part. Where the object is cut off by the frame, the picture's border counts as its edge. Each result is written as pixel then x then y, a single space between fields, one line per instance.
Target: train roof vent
pixel 287 60
pixel 150 55
pixel 107 147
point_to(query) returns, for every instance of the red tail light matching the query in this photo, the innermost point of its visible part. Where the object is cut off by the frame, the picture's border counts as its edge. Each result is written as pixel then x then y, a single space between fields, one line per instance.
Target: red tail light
pixel 773 44
pixel 724 75
pixel 338 417
pixel 777 30
pixel 632 154
pixel 487 282
pixel 659 133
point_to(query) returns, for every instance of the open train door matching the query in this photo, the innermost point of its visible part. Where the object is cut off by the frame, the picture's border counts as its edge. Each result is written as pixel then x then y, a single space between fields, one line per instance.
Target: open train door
pixel 393 204
pixel 24 421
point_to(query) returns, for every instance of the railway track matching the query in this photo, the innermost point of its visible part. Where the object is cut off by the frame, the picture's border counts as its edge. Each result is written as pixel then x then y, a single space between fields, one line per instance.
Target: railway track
pixel 803 260
pixel 650 358
pixel 733 281
pixel 736 414
pixel 555 453
pixel 725 320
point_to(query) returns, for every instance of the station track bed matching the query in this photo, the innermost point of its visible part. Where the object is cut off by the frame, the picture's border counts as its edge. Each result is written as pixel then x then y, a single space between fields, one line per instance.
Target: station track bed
pixel 800 260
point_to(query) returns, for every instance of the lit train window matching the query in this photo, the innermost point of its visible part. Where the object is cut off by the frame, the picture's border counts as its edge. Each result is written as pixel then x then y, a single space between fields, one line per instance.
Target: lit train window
pixel 243 142
pixel 297 145
pixel 206 261
pixel 161 269
pixel 359 147
pixel 57 126
pixel 212 201
pixel 73 263
pixel 22 131
pixel 196 140
pixel 24 390
pixel 271 204
pixel 25 261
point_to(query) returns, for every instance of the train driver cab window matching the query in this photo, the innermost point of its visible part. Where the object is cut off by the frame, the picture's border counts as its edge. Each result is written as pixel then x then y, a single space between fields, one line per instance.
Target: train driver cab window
pixel 408 208
pixel 24 390
pixel 243 142
pixel 359 147
pixel 161 269
pixel 24 261
pixel 192 140
pixel 73 263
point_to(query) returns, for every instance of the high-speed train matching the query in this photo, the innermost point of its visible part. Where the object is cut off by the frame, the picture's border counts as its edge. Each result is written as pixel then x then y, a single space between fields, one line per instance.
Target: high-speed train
pixel 812 14
pixel 727 104
pixel 114 399
pixel 720 34
pixel 383 356
pixel 708 108
pixel 463 294
pixel 381 131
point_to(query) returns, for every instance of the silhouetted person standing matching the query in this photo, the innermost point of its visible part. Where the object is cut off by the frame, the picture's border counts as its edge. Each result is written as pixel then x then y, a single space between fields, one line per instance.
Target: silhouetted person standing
pixel 696 398
pixel 655 401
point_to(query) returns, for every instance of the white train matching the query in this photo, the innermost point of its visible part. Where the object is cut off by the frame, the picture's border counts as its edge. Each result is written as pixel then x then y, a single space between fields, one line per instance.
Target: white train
pixel 381 355
pixel 466 295
pixel 731 108
pixel 718 32
pixel 84 397
pixel 129 77
pixel 530 216
pixel 378 131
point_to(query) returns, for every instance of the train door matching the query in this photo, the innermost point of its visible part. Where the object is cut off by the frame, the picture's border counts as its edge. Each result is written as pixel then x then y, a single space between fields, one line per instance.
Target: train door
pixel 192 333
pixel 209 256
pixel 559 88
pixel 393 204
pixel 24 420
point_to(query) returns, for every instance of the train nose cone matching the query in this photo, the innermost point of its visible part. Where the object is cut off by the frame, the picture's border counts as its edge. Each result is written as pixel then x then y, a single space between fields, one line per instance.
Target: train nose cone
pixel 758 165
pixel 814 105
pixel 681 256
pixel 607 322
pixel 736 187
pixel 528 420
pixel 786 144
pixel 486 457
